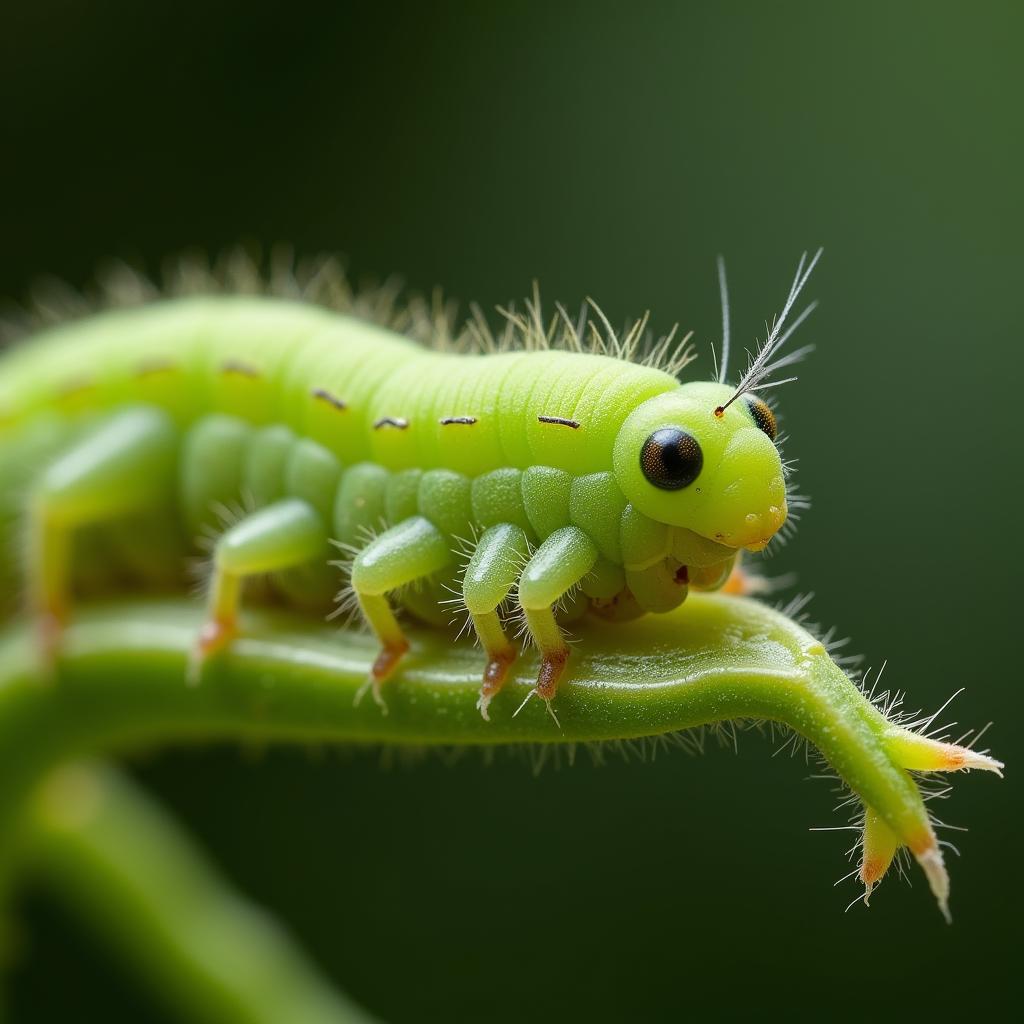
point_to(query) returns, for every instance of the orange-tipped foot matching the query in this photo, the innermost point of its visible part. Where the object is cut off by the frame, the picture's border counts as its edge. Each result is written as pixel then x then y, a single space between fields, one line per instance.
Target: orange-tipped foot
pixel 552 668
pixel 494 679
pixel 387 661
pixel 383 668
pixel 214 637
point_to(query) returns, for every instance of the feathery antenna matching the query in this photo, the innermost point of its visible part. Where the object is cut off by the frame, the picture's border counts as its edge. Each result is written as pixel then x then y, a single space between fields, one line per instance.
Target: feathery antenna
pixel 761 367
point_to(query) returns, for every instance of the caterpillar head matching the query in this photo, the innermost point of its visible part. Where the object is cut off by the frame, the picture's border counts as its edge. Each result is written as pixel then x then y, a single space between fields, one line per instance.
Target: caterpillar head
pixel 703 456
pixel 688 459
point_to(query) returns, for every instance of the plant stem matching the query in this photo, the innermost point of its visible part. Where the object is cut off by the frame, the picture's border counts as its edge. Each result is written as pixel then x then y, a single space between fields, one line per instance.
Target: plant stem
pixel 121 685
pixel 132 873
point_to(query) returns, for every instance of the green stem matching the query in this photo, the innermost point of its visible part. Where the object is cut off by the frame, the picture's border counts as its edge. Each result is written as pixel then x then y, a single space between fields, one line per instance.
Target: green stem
pixel 121 685
pixel 115 856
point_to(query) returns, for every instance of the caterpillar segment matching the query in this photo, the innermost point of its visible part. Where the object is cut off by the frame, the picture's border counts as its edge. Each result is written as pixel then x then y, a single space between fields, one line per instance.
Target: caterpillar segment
pixel 591 484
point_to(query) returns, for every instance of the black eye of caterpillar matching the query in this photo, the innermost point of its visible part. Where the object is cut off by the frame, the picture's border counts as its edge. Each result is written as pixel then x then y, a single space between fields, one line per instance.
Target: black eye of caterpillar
pixel 763 415
pixel 671 459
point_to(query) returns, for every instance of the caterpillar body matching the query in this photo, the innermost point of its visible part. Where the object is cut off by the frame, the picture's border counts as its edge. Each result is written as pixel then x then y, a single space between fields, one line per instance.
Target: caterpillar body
pixel 535 484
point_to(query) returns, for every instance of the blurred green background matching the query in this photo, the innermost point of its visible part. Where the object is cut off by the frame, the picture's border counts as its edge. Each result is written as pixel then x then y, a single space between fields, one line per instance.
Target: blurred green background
pixel 608 150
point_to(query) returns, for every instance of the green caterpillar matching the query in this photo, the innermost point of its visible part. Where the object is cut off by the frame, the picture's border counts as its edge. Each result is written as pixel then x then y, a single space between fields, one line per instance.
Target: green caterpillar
pixel 552 479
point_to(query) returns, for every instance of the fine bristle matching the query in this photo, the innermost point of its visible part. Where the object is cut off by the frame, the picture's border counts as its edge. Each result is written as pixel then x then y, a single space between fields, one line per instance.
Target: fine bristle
pixel 431 320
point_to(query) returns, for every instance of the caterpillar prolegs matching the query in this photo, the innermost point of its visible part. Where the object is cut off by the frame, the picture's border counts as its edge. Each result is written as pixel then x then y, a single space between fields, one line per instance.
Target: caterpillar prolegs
pixel 562 471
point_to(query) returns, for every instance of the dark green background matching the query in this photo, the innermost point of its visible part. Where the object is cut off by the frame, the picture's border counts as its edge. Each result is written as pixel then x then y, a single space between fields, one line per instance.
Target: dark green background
pixel 612 150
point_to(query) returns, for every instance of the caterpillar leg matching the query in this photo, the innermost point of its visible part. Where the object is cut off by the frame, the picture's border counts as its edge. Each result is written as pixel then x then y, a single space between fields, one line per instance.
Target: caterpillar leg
pixel 407 552
pixel 284 535
pixel 490 575
pixel 558 565
pixel 123 466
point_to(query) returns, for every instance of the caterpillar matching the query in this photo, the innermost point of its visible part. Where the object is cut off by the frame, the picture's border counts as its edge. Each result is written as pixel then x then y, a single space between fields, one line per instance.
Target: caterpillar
pixel 559 469
pixel 526 479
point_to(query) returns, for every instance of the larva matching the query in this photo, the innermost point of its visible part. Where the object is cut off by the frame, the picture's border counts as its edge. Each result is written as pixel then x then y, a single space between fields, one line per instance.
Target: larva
pixel 556 471
pixel 571 480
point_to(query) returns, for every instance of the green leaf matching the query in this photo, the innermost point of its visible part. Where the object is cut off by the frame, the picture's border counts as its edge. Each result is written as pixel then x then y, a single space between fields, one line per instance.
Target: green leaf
pixel 121 685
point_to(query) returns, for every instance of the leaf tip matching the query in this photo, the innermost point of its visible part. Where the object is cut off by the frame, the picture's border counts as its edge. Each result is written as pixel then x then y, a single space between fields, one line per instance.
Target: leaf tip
pixel 938 880
pixel 919 753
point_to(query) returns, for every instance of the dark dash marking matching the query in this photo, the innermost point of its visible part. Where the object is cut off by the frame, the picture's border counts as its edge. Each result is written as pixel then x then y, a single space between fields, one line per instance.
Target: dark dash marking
pixel 150 366
pixel 236 366
pixel 321 395
pixel 468 420
pixel 560 421
pixel 391 421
